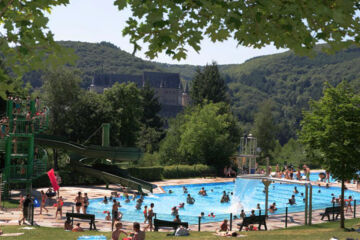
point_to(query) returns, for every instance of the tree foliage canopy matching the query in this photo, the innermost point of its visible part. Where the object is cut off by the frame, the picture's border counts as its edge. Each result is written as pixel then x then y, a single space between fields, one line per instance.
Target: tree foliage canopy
pixel 265 129
pixel 332 126
pixel 205 134
pixel 331 130
pixel 208 85
pixel 172 26
pixel 25 41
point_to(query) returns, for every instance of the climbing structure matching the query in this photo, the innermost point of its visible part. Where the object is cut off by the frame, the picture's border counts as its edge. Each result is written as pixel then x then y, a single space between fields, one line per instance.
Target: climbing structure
pixel 22 162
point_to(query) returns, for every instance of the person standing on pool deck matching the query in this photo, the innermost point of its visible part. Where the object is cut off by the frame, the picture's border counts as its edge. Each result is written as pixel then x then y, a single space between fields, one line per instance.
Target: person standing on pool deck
pixel 327 176
pixel 43 202
pixel 115 213
pixel 150 215
pixel 26 205
pixel 78 202
pixel 86 203
pixel 145 214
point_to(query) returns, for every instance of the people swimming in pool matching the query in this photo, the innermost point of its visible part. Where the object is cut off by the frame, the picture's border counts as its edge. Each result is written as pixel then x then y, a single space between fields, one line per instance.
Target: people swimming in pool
pixel 252 213
pixel 225 198
pixel 170 191
pixel 189 199
pixel 202 192
pixel 202 215
pixel 181 205
pixel 272 208
pixel 105 201
pixel 185 189
pixel 292 200
pixel 295 190
pixel 174 211
pixel 242 214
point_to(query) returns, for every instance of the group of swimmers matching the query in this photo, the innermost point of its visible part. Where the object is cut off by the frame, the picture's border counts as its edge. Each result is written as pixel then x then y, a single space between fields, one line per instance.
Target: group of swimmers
pixel 289 171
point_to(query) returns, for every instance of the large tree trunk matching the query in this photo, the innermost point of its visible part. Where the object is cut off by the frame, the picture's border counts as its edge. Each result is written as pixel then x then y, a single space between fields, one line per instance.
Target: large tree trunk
pixel 342 215
pixel 56 166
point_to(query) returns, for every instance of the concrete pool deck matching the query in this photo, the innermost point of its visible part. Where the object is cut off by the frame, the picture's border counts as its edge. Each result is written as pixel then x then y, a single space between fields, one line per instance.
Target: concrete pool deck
pixel 11 216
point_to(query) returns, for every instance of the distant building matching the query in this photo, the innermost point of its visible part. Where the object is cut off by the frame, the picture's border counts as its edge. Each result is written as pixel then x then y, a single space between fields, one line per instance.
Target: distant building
pixel 168 88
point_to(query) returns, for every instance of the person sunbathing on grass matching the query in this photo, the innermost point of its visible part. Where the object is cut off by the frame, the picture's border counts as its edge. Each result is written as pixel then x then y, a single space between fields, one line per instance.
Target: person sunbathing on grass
pixel 116 233
pixel 224 227
pixel 67 225
pixel 77 228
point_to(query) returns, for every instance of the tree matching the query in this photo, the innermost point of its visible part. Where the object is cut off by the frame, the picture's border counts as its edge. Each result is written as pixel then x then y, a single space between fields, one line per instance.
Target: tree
pixel 332 127
pixel 126 111
pixel 292 152
pixel 25 41
pixel 210 135
pixel 61 92
pixel 172 26
pixel 151 108
pixel 151 130
pixel 265 129
pixel 204 134
pixel 87 115
pixel 208 85
pixel 169 146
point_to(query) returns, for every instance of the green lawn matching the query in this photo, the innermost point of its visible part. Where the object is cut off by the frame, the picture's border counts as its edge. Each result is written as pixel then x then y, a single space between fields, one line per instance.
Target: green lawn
pixel 319 231
pixel 10 203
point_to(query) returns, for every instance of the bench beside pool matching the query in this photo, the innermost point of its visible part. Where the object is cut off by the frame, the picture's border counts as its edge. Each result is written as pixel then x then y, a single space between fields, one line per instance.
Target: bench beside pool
pixel 90 217
pixel 162 223
pixel 261 220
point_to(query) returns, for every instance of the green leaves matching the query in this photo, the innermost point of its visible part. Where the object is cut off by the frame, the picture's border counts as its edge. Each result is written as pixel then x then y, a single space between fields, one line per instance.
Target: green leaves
pixel 297 25
pixel 206 134
pixel 332 128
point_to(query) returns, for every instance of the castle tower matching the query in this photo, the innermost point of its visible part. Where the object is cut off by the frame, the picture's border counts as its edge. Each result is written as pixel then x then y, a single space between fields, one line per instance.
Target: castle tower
pixel 185 98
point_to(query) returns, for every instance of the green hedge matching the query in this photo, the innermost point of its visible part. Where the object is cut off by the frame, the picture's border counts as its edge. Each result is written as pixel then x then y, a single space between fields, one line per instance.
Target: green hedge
pixel 147 173
pixel 187 171
pixel 68 178
pixel 71 178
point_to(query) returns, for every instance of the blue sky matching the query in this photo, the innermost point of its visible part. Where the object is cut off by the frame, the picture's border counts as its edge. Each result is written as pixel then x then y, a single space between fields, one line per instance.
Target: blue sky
pixel 99 20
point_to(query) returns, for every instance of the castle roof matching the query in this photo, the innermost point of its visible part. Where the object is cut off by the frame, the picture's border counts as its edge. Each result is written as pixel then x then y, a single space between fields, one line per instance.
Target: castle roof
pixel 162 80
pixel 155 79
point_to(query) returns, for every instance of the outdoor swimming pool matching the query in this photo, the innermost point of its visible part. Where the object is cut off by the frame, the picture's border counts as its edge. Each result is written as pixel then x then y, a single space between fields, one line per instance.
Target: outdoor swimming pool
pixel 249 193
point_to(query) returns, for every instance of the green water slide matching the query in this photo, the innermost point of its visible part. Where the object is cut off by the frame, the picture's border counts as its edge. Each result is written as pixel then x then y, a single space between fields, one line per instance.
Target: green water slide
pixel 81 153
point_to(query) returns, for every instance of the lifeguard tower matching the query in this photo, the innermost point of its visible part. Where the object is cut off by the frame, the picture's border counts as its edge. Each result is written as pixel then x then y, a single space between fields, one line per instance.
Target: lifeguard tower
pixel 248 153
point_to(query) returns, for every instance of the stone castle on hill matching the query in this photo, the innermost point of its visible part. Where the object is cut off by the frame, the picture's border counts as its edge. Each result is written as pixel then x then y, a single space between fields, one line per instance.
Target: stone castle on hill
pixel 167 86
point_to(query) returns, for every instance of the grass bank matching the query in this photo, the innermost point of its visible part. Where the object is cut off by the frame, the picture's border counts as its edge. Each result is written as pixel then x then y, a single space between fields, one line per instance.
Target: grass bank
pixel 315 232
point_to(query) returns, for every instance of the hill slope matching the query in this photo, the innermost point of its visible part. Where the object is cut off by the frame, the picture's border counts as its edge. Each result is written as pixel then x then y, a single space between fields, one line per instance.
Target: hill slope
pixel 288 80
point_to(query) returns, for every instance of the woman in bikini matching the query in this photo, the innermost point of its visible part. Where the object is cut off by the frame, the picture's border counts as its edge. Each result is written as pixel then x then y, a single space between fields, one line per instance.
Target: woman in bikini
pixel 86 202
pixel 59 204
pixel 78 202
pixel 43 202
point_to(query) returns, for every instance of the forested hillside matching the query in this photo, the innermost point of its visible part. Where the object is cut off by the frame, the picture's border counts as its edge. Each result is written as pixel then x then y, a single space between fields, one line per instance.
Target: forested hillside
pixel 288 80
pixel 105 57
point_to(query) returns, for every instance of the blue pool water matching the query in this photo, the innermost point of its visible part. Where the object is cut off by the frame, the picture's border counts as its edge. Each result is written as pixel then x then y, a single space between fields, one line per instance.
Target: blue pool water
pixel 246 195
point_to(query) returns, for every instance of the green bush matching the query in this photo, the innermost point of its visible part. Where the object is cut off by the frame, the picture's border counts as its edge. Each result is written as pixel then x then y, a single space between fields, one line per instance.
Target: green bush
pixel 68 178
pixel 147 173
pixel 187 171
